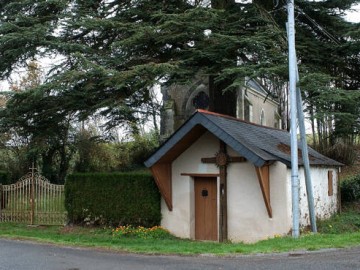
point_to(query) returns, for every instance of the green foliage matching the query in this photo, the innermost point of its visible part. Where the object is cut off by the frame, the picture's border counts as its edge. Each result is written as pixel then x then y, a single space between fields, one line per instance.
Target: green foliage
pixel 96 155
pixel 4 178
pixel 350 189
pixel 14 161
pixel 347 221
pixel 114 52
pixel 344 153
pixel 155 232
pixel 132 154
pixel 334 111
pixel 103 238
pixel 42 140
pixel 93 154
pixel 117 198
pixel 328 47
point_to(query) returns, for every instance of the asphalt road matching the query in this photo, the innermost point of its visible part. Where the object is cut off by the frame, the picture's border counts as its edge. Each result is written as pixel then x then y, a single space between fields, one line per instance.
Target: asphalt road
pixel 20 255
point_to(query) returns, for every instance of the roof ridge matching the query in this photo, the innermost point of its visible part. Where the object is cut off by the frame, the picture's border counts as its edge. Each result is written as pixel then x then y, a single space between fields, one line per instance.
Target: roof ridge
pixel 237 119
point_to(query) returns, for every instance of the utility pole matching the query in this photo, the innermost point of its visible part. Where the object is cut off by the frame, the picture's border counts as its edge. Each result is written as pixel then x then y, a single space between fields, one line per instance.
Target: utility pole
pixel 305 157
pixel 293 118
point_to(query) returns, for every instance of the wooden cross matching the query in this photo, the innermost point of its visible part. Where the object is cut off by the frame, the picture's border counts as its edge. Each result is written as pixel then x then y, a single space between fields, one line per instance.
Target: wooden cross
pixel 222 159
pixel 33 169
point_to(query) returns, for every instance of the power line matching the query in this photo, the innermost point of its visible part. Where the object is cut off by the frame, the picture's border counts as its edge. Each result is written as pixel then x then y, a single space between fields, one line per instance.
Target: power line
pixel 302 12
pixel 322 29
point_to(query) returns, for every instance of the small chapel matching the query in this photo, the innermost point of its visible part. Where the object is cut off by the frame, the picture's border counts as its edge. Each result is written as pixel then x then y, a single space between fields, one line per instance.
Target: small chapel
pixel 226 175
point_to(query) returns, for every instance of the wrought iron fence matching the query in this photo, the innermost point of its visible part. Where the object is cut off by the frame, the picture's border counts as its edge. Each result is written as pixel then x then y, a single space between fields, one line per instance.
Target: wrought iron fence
pixel 33 199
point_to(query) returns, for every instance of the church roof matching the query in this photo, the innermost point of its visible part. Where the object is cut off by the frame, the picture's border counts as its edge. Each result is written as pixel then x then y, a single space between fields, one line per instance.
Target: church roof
pixel 258 144
pixel 256 86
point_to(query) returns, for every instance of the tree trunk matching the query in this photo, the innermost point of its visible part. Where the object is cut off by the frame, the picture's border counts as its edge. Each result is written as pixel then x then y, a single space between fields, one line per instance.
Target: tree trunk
pixel 220 101
pixel 64 165
pixel 313 126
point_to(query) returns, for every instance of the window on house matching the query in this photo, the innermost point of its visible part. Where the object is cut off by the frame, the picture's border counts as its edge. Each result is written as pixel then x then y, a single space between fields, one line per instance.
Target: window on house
pixel 248 110
pixel 277 120
pixel 330 183
pixel 201 100
pixel 262 118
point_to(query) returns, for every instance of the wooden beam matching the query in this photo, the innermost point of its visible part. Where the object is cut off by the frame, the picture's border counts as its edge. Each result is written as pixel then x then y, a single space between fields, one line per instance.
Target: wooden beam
pixel 222 160
pixel 208 160
pixel 200 174
pixel 223 221
pixel 330 183
pixel 237 159
pixel 162 176
pixel 230 159
pixel 264 181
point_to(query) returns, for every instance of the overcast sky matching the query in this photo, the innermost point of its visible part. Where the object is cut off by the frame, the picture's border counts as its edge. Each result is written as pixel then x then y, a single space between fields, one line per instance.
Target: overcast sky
pixel 355 15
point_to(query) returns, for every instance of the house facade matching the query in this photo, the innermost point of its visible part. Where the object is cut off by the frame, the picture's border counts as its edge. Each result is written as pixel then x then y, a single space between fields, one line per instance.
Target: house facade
pixel 225 179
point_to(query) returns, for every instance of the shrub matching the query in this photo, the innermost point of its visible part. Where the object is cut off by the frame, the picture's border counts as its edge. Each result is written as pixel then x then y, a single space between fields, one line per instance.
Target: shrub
pixel 132 154
pixel 350 189
pixel 94 154
pixel 4 178
pixel 346 222
pixel 112 199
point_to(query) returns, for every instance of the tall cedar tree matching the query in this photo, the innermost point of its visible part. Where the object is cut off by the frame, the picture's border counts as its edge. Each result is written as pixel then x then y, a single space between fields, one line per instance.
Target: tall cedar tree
pixel 112 52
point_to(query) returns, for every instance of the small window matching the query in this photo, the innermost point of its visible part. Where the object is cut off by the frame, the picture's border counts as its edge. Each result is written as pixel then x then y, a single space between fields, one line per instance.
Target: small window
pixel 330 183
pixel 248 114
pixel 201 100
pixel 262 117
pixel 277 120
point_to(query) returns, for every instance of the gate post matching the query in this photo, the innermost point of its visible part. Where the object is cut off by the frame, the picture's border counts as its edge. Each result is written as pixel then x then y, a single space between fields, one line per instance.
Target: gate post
pixel 32 198
pixel 1 202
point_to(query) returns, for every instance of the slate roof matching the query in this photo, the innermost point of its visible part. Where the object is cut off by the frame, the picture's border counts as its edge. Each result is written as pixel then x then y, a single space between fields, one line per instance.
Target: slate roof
pixel 256 86
pixel 258 144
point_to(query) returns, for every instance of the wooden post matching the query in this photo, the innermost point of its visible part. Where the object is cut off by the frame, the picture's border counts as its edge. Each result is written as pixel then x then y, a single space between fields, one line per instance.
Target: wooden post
pixel 338 191
pixel 32 195
pixel 1 202
pixel 222 159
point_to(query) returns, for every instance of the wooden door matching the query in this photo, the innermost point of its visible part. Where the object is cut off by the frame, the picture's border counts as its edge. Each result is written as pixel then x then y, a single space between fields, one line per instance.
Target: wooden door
pixel 206 222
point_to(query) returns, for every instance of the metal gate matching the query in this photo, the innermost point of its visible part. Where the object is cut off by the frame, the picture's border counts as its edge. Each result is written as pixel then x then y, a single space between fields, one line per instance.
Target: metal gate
pixel 34 200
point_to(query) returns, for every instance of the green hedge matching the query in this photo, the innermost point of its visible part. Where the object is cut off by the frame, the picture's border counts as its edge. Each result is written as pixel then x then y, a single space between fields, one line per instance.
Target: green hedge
pixel 4 178
pixel 350 189
pixel 112 199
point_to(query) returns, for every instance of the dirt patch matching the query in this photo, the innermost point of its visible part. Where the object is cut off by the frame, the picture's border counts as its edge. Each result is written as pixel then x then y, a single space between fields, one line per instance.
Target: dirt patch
pixel 68 229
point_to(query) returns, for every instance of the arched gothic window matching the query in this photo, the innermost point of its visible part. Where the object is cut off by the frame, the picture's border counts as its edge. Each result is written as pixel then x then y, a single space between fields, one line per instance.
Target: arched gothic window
pixel 262 118
pixel 248 110
pixel 201 100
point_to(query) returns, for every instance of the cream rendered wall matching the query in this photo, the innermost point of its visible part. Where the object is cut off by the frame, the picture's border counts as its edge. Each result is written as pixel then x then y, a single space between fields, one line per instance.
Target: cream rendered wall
pixel 248 220
pixel 269 107
pixel 325 205
pixel 181 220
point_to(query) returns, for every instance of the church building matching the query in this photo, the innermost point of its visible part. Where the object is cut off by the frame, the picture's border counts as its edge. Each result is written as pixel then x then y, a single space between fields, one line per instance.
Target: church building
pixel 251 103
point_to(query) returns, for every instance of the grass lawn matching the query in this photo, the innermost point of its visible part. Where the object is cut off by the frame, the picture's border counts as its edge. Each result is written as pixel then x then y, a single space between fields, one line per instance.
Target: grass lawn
pixel 340 231
pixel 337 236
